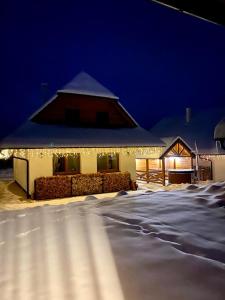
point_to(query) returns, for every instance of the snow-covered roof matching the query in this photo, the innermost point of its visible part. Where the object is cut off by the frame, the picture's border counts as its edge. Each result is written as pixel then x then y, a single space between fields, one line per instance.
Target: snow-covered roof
pixel 178 139
pixel 198 133
pixel 219 132
pixel 33 135
pixel 36 135
pixel 84 84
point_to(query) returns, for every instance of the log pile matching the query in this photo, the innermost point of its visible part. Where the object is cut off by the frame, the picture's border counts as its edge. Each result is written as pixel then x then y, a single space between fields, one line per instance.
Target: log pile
pixel 86 184
pixel 114 182
pixel 52 187
pixel 82 184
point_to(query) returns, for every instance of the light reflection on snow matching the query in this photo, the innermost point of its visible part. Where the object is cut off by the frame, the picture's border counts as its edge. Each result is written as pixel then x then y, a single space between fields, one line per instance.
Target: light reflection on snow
pixel 59 259
pixel 165 245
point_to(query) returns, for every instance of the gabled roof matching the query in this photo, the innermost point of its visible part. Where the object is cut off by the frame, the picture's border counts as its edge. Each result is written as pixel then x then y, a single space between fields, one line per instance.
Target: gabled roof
pixel 198 133
pixel 34 135
pixel 84 84
pixel 37 135
pixel 178 140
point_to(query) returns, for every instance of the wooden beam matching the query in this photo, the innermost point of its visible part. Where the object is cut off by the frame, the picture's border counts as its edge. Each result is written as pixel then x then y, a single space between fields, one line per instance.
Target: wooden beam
pixel 147 170
pixel 163 171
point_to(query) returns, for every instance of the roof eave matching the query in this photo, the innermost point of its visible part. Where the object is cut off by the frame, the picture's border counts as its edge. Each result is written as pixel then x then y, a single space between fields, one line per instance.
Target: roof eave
pixel 86 93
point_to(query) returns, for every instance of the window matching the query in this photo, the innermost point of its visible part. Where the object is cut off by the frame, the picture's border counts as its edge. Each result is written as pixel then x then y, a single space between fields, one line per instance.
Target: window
pixel 68 164
pixel 72 116
pixel 102 118
pixel 108 162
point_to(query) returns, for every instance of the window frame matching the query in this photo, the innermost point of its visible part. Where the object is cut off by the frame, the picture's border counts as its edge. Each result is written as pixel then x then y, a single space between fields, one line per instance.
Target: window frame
pixel 109 170
pixel 66 172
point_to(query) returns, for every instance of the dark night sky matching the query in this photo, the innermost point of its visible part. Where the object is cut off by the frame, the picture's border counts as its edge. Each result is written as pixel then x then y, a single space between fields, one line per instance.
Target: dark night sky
pixel 155 59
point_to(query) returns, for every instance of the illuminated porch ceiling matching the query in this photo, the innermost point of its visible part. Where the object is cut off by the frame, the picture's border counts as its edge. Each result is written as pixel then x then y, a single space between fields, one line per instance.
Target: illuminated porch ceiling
pixel 178 148
pixel 210 10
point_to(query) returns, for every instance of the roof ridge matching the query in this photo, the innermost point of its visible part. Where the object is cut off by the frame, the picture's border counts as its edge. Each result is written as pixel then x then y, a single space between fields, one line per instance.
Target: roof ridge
pixel 85 84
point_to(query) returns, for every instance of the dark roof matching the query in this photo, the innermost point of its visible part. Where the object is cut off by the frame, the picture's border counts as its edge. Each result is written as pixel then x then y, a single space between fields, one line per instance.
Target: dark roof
pixel 211 10
pixel 33 135
pixel 198 133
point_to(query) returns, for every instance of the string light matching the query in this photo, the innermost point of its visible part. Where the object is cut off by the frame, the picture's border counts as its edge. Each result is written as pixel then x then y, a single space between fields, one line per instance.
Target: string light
pixel 208 157
pixel 48 152
pixel 5 154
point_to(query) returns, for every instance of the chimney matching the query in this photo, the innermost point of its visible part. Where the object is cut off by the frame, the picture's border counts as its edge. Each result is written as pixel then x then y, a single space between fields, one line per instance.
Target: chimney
pixel 188 115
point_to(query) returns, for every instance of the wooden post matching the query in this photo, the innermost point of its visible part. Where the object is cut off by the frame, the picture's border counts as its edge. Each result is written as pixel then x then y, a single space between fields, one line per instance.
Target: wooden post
pixel 163 171
pixel 147 170
pixel 192 164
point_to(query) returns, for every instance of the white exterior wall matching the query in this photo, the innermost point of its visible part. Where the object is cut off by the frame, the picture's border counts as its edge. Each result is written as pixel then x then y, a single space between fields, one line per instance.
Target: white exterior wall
pixel 218 168
pixel 38 167
pixel 41 163
pixel 88 163
pixel 155 154
pixel 128 163
pixel 20 172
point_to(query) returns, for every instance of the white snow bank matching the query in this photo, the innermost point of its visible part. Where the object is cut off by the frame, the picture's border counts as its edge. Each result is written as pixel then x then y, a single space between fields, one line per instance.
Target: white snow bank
pixel 161 246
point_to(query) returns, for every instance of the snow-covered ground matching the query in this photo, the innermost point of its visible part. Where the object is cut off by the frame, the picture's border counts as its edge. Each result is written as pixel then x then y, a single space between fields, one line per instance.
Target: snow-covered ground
pixel 166 245
pixel 13 197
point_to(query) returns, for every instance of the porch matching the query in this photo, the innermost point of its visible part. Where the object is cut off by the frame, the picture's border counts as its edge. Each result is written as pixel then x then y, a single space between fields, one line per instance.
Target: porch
pixel 175 165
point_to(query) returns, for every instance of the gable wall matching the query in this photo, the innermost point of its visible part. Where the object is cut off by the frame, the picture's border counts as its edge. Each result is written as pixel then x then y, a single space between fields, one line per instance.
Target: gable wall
pixel 54 113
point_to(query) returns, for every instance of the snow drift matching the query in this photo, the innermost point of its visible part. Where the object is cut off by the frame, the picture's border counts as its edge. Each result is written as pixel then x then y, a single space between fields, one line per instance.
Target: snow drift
pixel 140 245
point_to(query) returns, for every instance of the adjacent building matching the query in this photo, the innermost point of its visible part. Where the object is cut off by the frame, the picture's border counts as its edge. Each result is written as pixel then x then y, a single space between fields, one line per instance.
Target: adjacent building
pixel 197 131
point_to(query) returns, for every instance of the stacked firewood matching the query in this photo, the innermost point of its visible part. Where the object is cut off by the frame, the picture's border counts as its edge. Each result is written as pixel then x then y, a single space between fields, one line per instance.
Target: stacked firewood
pixel 86 184
pixel 114 182
pixel 82 184
pixel 52 187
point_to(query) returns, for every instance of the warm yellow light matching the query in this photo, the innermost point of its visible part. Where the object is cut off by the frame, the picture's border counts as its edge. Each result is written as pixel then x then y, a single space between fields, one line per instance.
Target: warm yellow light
pixel 5 154
pixel 28 153
pixel 208 157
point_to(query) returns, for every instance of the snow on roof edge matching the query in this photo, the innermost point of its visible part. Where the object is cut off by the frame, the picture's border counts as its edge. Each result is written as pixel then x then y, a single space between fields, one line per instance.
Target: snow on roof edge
pixel 173 141
pixel 123 108
pixel 88 93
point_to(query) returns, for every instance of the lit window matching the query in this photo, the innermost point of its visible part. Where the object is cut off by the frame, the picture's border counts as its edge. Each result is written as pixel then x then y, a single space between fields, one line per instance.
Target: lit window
pixel 69 164
pixel 108 162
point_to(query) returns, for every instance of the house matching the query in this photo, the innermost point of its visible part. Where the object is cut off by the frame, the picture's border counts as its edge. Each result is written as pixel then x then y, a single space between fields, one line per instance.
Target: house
pixel 82 129
pixel 198 133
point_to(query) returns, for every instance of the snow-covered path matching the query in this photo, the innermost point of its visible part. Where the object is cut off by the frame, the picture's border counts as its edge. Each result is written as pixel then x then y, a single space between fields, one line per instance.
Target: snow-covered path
pixel 164 245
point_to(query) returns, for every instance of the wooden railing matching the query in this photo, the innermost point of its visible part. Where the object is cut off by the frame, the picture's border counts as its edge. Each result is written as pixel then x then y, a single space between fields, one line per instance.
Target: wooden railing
pixel 152 175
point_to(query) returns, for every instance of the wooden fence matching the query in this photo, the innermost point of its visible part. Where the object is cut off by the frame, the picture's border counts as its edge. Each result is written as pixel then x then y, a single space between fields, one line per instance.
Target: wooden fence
pixel 152 175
